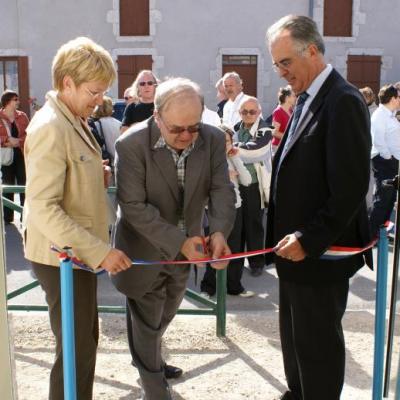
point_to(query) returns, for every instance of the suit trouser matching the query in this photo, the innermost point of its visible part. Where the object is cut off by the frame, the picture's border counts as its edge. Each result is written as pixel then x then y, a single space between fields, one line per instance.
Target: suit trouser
pixel 86 328
pixel 11 175
pixel 148 318
pixel 252 223
pixel 384 196
pixel 312 338
pixel 235 268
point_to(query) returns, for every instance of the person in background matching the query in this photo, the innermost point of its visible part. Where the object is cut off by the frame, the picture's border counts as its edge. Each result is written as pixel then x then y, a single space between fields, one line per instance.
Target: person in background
pixel 369 98
pixel 168 169
pixel 144 88
pixel 13 123
pixel 397 86
pixel 221 96
pixel 238 174
pixel 253 138
pixel 282 114
pixel 129 97
pixel 107 126
pixel 385 155
pixel 210 117
pixel 66 202
pixel 234 90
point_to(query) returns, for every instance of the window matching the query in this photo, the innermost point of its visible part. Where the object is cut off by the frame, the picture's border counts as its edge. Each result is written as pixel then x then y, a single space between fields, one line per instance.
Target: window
pixel 128 68
pixel 134 17
pixel 364 71
pixel 14 75
pixel 338 15
pixel 246 67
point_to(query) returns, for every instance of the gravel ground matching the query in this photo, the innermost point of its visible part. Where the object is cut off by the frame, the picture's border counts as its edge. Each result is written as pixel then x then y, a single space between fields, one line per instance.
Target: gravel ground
pixel 246 364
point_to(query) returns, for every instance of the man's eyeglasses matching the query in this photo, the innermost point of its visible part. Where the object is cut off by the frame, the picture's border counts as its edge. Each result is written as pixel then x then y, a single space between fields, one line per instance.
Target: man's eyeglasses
pixel 148 83
pixel 250 112
pixel 286 62
pixel 176 130
pixel 95 95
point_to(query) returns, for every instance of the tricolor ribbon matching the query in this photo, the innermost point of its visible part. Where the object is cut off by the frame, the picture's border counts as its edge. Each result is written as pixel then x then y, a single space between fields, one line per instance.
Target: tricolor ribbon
pixel 333 253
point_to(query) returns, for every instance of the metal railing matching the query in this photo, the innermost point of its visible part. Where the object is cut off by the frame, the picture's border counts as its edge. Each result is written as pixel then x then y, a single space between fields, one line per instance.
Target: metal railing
pixel 217 308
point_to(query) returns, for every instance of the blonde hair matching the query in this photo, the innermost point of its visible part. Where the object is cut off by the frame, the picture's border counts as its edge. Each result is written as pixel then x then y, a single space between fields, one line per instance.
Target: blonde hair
pixel 135 84
pixel 105 109
pixel 84 61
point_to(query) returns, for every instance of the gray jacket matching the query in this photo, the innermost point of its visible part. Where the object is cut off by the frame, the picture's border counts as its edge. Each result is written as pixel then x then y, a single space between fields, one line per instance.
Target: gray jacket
pixel 148 198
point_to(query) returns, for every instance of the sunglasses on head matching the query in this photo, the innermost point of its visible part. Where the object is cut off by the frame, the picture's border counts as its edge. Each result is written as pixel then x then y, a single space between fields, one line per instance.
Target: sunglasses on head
pixel 148 83
pixel 250 112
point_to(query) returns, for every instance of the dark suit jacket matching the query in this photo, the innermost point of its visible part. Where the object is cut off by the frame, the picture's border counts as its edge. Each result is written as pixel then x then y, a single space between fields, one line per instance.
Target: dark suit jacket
pixel 148 198
pixel 322 183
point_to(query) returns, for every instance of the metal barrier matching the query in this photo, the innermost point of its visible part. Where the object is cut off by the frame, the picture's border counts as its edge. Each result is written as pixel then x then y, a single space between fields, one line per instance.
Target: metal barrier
pixel 380 315
pixel 217 308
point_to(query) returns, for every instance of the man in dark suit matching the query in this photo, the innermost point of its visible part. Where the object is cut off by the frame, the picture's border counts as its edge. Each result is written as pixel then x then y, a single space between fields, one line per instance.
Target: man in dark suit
pixel 168 169
pixel 319 181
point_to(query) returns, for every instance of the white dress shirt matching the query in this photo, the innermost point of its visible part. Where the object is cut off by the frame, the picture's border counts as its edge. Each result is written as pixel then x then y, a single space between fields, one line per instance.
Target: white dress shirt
pixel 231 114
pixel 314 89
pixel 385 130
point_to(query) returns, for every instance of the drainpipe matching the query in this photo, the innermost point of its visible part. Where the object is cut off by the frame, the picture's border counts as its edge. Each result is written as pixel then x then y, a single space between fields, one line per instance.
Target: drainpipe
pixel 311 9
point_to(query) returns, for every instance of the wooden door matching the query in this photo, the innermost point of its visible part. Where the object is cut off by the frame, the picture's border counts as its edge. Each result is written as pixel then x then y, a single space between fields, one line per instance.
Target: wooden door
pixel 364 71
pixel 246 67
pixel 128 68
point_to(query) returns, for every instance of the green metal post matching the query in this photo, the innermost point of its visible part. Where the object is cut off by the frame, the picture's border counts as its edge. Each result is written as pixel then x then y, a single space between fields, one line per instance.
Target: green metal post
pixel 221 303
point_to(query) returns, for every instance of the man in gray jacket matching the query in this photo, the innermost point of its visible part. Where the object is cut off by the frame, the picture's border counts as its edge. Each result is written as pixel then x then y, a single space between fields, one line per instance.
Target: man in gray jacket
pixel 168 169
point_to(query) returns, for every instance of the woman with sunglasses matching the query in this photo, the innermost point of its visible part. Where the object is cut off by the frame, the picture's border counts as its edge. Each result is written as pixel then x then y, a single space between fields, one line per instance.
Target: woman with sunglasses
pixel 144 88
pixel 253 138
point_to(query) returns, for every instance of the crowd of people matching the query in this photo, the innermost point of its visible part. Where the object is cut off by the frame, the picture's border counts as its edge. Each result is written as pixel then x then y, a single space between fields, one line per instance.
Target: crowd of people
pixel 194 183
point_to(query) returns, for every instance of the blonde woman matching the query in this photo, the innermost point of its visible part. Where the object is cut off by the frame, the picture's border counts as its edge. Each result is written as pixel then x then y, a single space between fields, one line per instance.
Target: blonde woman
pixel 66 199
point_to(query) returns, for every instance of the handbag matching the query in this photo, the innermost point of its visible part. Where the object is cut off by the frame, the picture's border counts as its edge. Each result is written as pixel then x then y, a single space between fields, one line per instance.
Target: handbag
pixel 6 153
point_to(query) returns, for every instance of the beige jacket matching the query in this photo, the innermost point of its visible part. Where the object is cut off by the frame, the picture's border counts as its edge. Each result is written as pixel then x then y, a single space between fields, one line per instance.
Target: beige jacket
pixel 66 203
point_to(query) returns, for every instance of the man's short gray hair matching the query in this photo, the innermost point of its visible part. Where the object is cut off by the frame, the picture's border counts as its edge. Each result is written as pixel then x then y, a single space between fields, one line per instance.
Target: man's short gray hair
pixel 233 75
pixel 303 31
pixel 173 87
pixel 249 99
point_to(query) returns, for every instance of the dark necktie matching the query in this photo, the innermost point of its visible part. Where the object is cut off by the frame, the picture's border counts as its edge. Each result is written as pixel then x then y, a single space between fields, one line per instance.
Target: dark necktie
pixel 296 116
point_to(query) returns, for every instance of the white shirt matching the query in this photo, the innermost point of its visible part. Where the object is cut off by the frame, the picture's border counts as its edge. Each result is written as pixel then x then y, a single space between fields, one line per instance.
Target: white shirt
pixel 385 131
pixel 210 117
pixel 111 132
pixel 314 89
pixel 231 114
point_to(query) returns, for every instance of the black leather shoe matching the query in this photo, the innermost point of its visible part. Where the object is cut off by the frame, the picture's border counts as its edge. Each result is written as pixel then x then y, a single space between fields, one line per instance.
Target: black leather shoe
pixel 287 396
pixel 172 372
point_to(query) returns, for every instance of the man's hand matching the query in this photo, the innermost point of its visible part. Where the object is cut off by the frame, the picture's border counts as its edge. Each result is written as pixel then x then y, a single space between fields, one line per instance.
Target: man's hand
pixel 218 248
pixel 107 173
pixel 193 249
pixel 116 261
pixel 290 248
